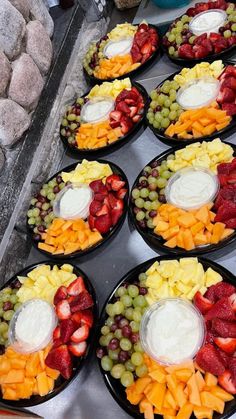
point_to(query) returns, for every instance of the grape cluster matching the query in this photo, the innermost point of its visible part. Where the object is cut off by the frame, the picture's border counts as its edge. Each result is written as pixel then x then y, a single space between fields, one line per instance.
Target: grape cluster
pixel 40 213
pixel 149 193
pixel 71 121
pixel 178 34
pixel 229 28
pixel 120 349
pixel 9 303
pixel 94 55
pixel 164 109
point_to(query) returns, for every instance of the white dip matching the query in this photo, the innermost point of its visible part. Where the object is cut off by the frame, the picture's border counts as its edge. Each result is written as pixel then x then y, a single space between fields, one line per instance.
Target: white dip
pixel 174 332
pixel 34 325
pixel 192 188
pixel 198 93
pixel 75 203
pixel 121 47
pixel 97 110
pixel 207 22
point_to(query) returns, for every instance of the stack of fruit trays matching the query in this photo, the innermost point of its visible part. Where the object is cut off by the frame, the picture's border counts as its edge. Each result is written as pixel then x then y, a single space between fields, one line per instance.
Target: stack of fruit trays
pixel 181 42
pixel 194 103
pixel 60 303
pixel 199 385
pixel 121 51
pixel 105 116
pixel 77 209
pixel 208 224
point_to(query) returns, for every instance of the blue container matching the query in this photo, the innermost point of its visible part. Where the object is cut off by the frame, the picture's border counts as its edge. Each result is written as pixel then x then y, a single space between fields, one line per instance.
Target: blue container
pixel 171 4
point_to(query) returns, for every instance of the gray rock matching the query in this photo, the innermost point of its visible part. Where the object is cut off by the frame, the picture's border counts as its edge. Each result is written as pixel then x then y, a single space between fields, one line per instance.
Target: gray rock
pixel 5 72
pixel 38 45
pixel 26 83
pixel 14 121
pixel 39 11
pixel 2 160
pixel 22 6
pixel 12 29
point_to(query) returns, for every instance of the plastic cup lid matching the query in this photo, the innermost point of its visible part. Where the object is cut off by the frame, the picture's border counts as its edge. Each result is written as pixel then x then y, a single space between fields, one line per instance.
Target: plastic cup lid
pixel 97 109
pixel 209 24
pixel 198 93
pixel 125 45
pixel 82 210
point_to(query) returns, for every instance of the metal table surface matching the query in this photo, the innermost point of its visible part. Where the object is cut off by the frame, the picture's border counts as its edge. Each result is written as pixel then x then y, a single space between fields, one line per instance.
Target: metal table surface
pixel 87 397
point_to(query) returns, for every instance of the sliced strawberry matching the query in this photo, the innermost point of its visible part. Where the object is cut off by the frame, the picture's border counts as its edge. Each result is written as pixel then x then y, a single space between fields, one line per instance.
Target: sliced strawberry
pixel 114 124
pixel 226 95
pixel 191 12
pixel 102 211
pixel 87 317
pixel 221 310
pixel 231 41
pixel 213 36
pixel 63 310
pixel 136 118
pixel 200 51
pixel 82 302
pixel 112 199
pixel 60 359
pixel 199 39
pixel 116 115
pixel 146 48
pixel 103 223
pixel 91 221
pixel 226 358
pixel 232 300
pixel 126 124
pixel 61 294
pixel 98 187
pixel 232 368
pixel 201 7
pixel 202 303
pixel 206 43
pixel 226 344
pixel 123 107
pixel 56 333
pixel 220 45
pixel 115 182
pixel 133 111
pixel 99 197
pixel 145 57
pixel 217 291
pixel 224 328
pixel 121 193
pixel 80 334
pixel 57 342
pixel 226 382
pixel 94 207
pixel 76 287
pixel 230 70
pixel 67 328
pixel 76 317
pixel 130 102
pixel 115 215
pixel 229 82
pixel 209 360
pixel 186 51
pixel 78 349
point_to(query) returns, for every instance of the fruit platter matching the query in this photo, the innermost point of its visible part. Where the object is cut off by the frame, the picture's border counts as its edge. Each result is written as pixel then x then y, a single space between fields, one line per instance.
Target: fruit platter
pixel 194 104
pixel 78 209
pixel 167 339
pixel 183 201
pixel 60 303
pixel 206 31
pixel 126 50
pixel 105 118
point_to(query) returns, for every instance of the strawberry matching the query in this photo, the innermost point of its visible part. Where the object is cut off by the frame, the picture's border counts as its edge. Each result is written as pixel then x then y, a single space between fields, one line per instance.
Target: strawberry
pixel 76 287
pixel 231 223
pixel 230 70
pixel 232 368
pixel 209 360
pixel 61 294
pixel 63 310
pixel 186 51
pixel 231 41
pixel 135 53
pixel 67 328
pixel 87 317
pixel 116 115
pixel 202 303
pixel 201 7
pixel 103 223
pixel 60 359
pixel 221 310
pixel 206 43
pixel 80 334
pixel 226 382
pixel 232 300
pixel 121 193
pixel 104 210
pixel 112 199
pixel 220 45
pixel 224 357
pixel 224 328
pixel 229 82
pixel 123 107
pixel 91 221
pixel 226 344
pixel 136 118
pixel 217 291
pixel 82 301
pixel 200 51
pixel 191 12
pixel 199 39
pixel 56 343
pixel 78 349
pixel 213 36
pixel 114 124
pixel 76 317
pixel 115 215
pixel 146 48
pixel 115 182
pixel 98 187
pixel 226 95
pixel 94 207
pixel 133 111
pixel 130 102
pixel 126 124
pixel 99 197
pixel 56 333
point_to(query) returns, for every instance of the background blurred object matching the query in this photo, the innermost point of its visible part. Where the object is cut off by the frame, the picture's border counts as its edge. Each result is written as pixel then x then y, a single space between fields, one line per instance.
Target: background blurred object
pixel 168 4
pixel 127 4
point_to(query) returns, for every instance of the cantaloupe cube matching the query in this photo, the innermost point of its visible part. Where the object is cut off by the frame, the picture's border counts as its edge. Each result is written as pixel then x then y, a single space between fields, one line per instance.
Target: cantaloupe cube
pixel 156 394
pixel 14 376
pixel 203 412
pixel 10 395
pixel 180 396
pixel 211 401
pixel 203 215
pixel 52 373
pixel 183 375
pixel 200 381
pixel 221 393
pixel 5 365
pixel 172 243
pixel 200 239
pixel 217 232
pixel 188 240
pixel 158 375
pixel 194 395
pixel 32 364
pixel 169 400
pixel 210 379
pixel 226 233
pixel 187 220
pixel 141 384
pixel 42 382
pixel 185 411
pixel 198 226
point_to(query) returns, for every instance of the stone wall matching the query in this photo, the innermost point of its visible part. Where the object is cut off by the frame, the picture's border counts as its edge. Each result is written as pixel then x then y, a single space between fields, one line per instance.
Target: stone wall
pixel 25 58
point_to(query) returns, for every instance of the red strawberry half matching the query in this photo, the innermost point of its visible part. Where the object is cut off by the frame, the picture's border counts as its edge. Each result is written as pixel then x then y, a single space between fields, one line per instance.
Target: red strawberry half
pixel 63 310
pixel 226 381
pixel 78 349
pixel 226 344
pixel 224 328
pixel 103 223
pixel 67 328
pixel 221 310
pixel 209 360
pixel 80 334
pixel 202 303
pixel 61 294
pixel 81 302
pixel 60 359
pixel 76 287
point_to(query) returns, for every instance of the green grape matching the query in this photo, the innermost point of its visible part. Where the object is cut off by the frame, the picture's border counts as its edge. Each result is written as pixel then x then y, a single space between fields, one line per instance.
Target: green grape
pixel 102 341
pixel 8 315
pixel 179 40
pixel 138 347
pixel 126 300
pixel 117 371
pixel 129 313
pixel 150 223
pixel 161 183
pixel 142 276
pixel 125 344
pixel 147 205
pixel 51 196
pixel 139 202
pixel 6 291
pixel 2 311
pixel 13 299
pixel 165 88
pixel 3 327
pixel 227 34
pixel 179 112
pixel 153 194
pixel 158 117
pixel 153 94
pixel 144 193
pixel 153 105
pixel 31 221
pixel 118 307
pixel 161 99
pixel 105 330
pixel 109 310
pixel 62 185
pixel 106 363
pixel 156 124
pixel 71 117
pixel 133 291
pixel 166 174
pixel 172 115
pixel 174 106
pixel 43 192
pixel 140 215
pixel 191 39
pixel 141 370
pixel 135 193
pixel 171 37
pixel 33 201
pixel 233 27
pixel 137 316
pixel 134 326
pixel 167 103
pixel 179 24
pixel 121 291
pixel 127 379
pixel 129 366
pixel 151 179
pixel 118 334
pixel 171 50
pixel 114 354
pixel 172 97
pixel 17 306
pixel 164 112
pixel 147 169
pixel 30 213
pixel 185 18
pixel 165 122
pixel 137 359
pixel 139 301
pixel 107 338
pixel 230 8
